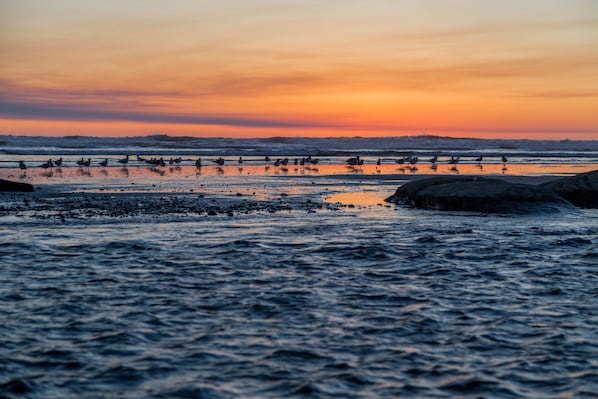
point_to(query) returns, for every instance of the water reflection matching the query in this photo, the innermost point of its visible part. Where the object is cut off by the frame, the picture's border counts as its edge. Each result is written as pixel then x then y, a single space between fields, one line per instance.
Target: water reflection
pixel 234 170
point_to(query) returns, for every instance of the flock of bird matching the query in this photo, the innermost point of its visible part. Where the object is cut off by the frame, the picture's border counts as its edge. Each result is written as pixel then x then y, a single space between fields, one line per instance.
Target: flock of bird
pixel 413 160
pixel 352 162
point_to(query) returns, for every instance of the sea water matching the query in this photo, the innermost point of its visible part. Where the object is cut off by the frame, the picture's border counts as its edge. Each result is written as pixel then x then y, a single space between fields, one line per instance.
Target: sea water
pixel 369 301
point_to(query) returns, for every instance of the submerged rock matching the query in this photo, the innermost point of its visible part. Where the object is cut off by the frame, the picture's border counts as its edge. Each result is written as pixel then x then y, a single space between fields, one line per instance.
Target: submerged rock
pixel 7 185
pixel 581 190
pixel 477 194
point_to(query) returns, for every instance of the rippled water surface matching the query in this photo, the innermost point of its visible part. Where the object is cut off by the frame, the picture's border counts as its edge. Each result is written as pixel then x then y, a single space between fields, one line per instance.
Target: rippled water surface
pixel 370 301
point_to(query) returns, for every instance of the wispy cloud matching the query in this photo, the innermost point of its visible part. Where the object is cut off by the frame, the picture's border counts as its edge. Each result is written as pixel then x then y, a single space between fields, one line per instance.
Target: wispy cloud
pixel 494 29
pixel 87 112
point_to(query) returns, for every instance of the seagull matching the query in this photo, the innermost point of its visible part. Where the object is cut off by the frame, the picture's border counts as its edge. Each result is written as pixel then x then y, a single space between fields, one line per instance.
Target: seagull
pixel 87 163
pixel 81 162
pixel 104 162
pixel 219 161
pixel 353 160
pixel 125 160
pixel 47 165
pixel 22 165
pixel 58 162
pixel 479 159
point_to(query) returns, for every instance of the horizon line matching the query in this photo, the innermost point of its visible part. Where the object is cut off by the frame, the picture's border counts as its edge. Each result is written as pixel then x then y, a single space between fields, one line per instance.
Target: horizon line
pixel 76 136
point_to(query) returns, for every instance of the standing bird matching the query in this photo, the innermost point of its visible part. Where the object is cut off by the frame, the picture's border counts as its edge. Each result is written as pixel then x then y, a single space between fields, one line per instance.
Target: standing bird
pixel 87 163
pixel 454 160
pixel 58 162
pixel 504 159
pixel 48 164
pixel 104 163
pixel 434 159
pixel 125 160
pixel 354 161
pixel 198 163
pixel 81 162
pixel 240 160
pixel 219 161
pixel 378 162
pixel 479 159
pixel 22 165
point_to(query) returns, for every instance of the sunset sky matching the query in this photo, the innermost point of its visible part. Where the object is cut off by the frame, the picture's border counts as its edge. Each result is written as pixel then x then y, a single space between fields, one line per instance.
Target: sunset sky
pixel 238 68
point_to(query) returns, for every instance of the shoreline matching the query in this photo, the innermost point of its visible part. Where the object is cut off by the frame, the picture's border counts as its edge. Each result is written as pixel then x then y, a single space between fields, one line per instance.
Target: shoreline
pixel 64 202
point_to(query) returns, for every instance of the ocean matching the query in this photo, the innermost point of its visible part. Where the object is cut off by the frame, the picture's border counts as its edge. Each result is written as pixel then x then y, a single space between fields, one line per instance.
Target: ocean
pixel 324 291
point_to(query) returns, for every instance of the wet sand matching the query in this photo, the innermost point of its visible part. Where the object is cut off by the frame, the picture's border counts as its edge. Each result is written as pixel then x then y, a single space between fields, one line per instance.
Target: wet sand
pixel 143 194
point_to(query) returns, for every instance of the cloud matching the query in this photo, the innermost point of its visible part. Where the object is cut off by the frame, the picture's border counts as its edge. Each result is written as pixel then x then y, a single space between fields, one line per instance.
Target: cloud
pixel 495 29
pixel 86 112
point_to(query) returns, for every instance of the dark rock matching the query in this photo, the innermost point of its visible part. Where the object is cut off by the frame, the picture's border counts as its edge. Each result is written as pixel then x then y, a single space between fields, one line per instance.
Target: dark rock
pixel 581 190
pixel 6 185
pixel 477 194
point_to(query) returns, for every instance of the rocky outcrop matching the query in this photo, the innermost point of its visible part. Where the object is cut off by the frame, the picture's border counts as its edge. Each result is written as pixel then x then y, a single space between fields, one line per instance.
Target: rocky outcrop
pixel 477 194
pixel 7 185
pixel 581 190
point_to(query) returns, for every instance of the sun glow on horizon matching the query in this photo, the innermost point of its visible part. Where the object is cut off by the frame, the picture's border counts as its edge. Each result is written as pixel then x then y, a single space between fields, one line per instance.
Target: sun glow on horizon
pixel 453 68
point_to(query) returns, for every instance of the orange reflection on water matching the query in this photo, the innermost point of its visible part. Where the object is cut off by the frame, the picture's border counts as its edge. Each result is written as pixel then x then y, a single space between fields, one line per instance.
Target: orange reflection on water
pixel 189 172
pixel 359 198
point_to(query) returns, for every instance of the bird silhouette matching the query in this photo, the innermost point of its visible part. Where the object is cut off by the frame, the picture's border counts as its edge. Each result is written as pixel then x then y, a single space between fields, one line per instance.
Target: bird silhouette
pixel 48 164
pixel 353 160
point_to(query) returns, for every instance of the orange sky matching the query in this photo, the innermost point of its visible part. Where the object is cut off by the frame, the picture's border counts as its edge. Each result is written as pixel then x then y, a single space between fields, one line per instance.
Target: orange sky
pixel 303 68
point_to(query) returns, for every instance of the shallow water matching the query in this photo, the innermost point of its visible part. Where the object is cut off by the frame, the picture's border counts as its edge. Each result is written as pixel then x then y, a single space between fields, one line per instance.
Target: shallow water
pixel 370 301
